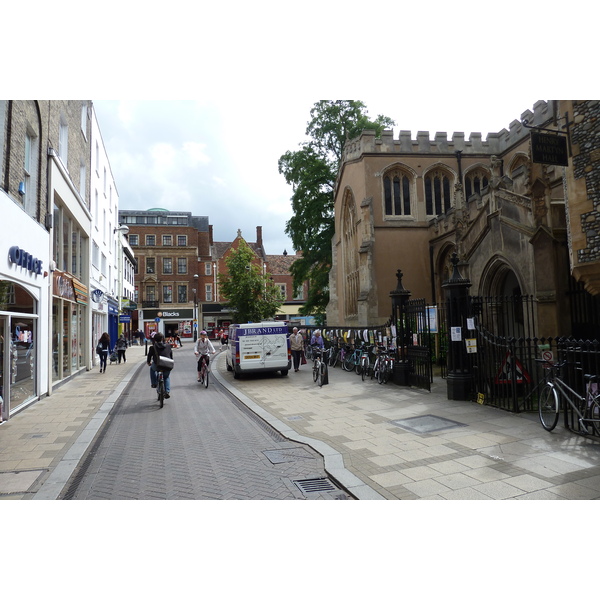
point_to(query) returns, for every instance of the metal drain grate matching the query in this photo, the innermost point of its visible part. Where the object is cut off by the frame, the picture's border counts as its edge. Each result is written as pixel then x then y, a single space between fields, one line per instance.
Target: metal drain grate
pixel 321 484
pixel 427 424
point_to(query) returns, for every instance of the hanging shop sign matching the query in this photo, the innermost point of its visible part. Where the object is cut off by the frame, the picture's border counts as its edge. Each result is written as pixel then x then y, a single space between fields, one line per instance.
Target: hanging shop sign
pixel 81 292
pixel 549 149
pixel 62 286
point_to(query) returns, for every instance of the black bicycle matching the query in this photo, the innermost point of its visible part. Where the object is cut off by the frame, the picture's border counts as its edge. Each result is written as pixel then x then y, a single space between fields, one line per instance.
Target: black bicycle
pixel 319 365
pixel 160 387
pixel 586 407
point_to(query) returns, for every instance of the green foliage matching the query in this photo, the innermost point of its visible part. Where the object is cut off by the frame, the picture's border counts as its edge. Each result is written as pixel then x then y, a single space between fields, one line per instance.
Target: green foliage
pixel 251 294
pixel 312 171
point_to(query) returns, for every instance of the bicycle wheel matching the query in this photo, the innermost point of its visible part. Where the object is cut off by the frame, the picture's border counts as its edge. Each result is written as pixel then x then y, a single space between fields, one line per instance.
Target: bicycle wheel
pixel 316 368
pixel 308 352
pixel 322 371
pixel 385 372
pixel 349 364
pixel 205 377
pixel 548 407
pixel 381 373
pixel 160 390
pixel 593 412
pixel 364 369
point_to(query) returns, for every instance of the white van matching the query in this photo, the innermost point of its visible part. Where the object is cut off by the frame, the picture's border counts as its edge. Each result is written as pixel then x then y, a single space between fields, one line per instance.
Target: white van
pixel 258 348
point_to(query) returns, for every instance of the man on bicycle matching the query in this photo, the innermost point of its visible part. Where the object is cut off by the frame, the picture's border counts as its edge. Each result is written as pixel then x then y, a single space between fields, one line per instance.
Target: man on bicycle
pixel 202 347
pixel 159 348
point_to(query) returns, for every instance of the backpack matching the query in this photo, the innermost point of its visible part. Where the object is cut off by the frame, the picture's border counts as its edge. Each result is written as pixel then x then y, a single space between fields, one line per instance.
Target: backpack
pixel 162 358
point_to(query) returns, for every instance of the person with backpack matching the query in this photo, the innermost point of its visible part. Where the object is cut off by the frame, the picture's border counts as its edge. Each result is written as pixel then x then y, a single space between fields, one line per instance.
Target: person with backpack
pixel 121 347
pixel 158 349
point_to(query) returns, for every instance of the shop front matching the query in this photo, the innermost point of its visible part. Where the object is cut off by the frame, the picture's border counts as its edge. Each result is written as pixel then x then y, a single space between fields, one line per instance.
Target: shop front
pixel 69 318
pixel 170 322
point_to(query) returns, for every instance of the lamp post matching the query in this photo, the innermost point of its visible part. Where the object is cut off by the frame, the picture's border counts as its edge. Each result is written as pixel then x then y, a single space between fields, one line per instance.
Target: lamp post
pixel 195 308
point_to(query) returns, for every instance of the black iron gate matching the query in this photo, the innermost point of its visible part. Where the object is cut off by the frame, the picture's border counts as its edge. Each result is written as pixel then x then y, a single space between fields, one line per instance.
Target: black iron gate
pixel 416 346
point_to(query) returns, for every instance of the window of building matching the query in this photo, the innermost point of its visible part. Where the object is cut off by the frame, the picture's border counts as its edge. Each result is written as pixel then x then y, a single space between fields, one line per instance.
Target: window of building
pixel 167 266
pixel 150 265
pixel 167 240
pixel 82 174
pixel 282 289
pixel 438 199
pixel 475 181
pixel 30 175
pixel 168 294
pixel 182 240
pixel 396 192
pixel 97 159
pixel 299 293
pixel 182 266
pixel 208 292
pixel 208 268
pixel 133 239
pixel 182 294
pixel 84 109
pixel 104 183
pixel 350 255
pixel 63 140
pixel 95 255
pixel 150 240
pixel 150 293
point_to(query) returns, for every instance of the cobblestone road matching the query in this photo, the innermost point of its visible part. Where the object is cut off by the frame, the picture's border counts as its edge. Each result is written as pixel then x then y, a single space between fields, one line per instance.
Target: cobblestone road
pixel 202 445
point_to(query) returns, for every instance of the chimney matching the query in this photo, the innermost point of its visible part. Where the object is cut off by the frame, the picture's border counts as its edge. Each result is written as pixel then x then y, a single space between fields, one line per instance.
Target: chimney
pixel 259 236
pixel 210 235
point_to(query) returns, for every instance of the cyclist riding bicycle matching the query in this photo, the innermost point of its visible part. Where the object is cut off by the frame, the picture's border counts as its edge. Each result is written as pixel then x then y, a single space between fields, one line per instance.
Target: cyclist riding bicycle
pixel 159 348
pixel 202 348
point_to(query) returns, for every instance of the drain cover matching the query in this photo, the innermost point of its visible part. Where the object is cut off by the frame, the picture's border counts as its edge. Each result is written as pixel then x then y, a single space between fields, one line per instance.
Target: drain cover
pixel 286 455
pixel 321 484
pixel 427 424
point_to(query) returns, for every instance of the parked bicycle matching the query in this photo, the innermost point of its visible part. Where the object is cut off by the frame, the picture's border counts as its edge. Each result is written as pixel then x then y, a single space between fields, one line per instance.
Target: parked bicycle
pixel 352 360
pixel 587 407
pixel 366 366
pixel 319 365
pixel 383 366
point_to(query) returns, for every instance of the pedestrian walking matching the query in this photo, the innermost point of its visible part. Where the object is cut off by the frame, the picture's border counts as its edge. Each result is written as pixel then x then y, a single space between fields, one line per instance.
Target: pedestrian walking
pixel 121 348
pixel 297 347
pixel 103 349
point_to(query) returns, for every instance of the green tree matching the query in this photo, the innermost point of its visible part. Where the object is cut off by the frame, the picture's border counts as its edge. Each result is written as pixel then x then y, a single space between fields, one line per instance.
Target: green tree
pixel 251 294
pixel 312 171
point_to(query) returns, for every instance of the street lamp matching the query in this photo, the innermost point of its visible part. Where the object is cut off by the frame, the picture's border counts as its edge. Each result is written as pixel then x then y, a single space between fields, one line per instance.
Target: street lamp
pixel 195 309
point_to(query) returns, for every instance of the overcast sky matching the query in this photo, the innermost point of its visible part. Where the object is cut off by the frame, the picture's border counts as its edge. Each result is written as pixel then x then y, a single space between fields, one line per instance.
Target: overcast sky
pixel 220 159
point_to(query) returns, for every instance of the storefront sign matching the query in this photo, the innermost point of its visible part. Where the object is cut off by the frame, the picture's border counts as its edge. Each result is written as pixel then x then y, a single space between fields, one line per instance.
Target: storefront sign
pixel 63 286
pixel 81 292
pixel 176 313
pixel 24 259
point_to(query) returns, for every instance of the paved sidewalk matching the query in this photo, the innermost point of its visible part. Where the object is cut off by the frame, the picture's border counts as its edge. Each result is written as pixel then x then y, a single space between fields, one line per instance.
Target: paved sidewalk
pixel 396 443
pixel 41 445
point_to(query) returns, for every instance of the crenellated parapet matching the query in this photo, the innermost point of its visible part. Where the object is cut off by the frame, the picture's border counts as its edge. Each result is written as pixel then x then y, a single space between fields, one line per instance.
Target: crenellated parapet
pixel 441 143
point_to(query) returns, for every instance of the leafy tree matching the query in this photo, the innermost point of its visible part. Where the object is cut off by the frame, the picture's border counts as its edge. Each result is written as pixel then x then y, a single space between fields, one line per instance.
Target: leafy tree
pixel 312 172
pixel 251 294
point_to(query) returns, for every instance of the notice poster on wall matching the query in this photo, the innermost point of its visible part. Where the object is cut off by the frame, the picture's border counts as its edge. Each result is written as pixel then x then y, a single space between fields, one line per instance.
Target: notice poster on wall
pixel 456 334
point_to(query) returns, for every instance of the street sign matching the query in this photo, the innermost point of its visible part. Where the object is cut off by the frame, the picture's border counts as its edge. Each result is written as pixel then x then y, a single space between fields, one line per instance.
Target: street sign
pixel 157 320
pixel 548 356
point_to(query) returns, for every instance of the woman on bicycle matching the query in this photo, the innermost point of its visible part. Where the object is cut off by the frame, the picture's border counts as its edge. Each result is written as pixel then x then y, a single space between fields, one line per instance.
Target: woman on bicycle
pixel 202 347
pixel 159 348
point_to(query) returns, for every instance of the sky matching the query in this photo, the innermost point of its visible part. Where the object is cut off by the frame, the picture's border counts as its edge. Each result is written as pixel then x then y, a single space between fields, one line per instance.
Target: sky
pixel 219 158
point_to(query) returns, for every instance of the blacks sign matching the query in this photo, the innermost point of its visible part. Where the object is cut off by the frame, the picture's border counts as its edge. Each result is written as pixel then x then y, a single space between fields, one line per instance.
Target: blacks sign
pixel 549 149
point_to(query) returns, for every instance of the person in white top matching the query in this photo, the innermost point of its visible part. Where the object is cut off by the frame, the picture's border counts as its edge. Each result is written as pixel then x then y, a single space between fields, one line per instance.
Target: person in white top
pixel 202 348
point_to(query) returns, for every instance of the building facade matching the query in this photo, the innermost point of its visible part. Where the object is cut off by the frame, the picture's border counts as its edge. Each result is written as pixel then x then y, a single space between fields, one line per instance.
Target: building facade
pixel 44 275
pixel 520 227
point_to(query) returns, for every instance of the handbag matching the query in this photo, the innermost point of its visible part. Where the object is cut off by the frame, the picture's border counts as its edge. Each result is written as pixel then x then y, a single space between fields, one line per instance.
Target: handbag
pixel 165 362
pixel 99 349
pixel 303 358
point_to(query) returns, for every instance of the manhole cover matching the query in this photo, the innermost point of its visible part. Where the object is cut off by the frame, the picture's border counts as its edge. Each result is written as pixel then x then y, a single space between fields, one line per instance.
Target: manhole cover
pixel 286 455
pixel 427 424
pixel 320 484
